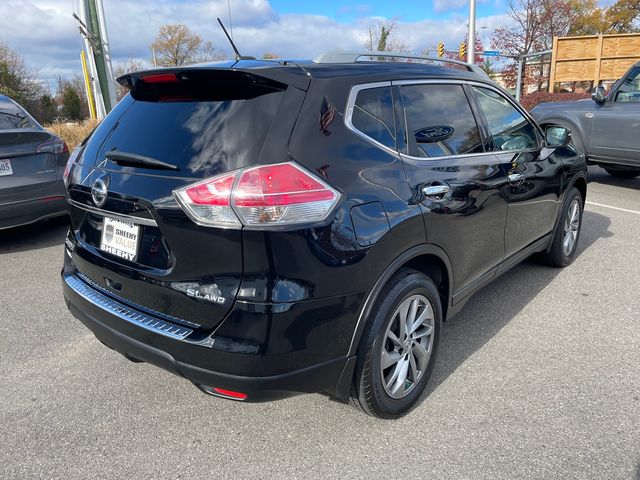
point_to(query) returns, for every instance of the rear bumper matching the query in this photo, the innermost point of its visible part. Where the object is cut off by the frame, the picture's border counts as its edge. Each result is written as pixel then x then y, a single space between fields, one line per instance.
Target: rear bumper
pixel 258 375
pixel 15 214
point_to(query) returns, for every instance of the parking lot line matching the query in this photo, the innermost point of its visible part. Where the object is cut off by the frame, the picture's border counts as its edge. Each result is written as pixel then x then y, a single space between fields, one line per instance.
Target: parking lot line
pixel 613 208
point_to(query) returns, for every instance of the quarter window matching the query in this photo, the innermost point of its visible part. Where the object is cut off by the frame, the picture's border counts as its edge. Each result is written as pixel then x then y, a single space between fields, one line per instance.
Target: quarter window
pixel 441 121
pixel 509 129
pixel 373 115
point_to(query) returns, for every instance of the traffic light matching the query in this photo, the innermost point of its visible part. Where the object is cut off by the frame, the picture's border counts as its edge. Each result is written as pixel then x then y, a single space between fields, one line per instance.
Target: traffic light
pixel 441 49
pixel 463 51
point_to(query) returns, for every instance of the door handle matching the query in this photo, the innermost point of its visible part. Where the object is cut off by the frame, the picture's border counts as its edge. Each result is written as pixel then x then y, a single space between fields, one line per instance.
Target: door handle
pixel 436 190
pixel 515 177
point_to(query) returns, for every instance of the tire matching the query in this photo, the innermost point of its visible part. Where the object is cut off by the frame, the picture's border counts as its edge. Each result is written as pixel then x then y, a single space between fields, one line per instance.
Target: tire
pixel 622 172
pixel 563 250
pixel 375 390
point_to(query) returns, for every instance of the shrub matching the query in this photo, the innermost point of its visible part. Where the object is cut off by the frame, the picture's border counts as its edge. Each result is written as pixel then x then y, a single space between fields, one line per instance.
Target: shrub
pixel 72 133
pixel 532 99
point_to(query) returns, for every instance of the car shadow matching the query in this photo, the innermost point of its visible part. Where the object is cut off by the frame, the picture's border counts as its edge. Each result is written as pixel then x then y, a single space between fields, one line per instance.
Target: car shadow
pixel 42 234
pixel 487 313
pixel 598 175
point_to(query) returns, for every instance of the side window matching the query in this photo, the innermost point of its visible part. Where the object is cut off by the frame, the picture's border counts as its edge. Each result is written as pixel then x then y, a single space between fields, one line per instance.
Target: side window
pixel 441 121
pixel 373 115
pixel 629 90
pixel 509 129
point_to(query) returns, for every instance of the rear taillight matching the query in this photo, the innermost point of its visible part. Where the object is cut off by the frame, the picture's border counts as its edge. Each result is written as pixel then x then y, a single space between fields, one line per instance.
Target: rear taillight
pixel 56 146
pixel 264 196
pixel 71 160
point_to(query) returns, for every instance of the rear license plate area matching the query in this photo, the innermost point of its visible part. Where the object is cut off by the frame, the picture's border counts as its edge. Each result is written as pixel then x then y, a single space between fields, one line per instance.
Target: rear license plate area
pixel 120 238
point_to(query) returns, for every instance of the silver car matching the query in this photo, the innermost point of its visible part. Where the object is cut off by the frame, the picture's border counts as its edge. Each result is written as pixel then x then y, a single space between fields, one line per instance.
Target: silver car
pixel 606 128
pixel 32 164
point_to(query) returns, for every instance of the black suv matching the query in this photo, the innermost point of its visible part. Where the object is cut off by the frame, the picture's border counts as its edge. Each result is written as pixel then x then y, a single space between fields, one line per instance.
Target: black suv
pixel 271 228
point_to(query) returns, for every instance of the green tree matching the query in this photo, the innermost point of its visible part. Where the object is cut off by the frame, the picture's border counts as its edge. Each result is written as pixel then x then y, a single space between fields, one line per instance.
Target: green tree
pixel 71 103
pixel 47 110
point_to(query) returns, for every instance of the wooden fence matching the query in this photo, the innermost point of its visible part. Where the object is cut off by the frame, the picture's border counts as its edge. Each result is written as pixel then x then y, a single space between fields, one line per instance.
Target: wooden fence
pixel 593 58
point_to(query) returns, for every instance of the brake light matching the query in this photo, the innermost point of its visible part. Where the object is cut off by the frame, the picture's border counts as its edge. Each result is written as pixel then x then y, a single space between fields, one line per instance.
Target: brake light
pixel 56 146
pixel 160 78
pixel 264 196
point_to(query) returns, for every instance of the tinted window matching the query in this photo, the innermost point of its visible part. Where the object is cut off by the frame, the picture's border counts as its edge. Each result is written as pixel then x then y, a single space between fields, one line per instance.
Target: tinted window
pixel 202 128
pixel 441 120
pixel 12 117
pixel 373 115
pixel 629 90
pixel 509 129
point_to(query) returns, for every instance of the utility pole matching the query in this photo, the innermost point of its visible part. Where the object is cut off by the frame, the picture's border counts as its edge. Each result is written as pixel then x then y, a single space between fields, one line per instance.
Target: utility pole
pixel 471 47
pixel 92 26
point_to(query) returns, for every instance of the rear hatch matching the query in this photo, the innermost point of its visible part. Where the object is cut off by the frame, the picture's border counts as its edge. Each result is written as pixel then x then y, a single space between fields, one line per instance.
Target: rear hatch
pixel 135 242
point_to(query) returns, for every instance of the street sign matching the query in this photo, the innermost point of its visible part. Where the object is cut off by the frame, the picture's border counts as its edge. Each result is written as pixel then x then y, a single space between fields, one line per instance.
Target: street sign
pixel 491 53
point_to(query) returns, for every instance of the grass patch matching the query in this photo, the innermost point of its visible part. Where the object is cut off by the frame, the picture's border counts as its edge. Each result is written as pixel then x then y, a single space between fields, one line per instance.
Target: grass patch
pixel 72 133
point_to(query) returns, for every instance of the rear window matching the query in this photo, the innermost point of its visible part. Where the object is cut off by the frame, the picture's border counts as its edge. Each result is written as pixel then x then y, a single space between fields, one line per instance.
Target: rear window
pixel 206 124
pixel 13 117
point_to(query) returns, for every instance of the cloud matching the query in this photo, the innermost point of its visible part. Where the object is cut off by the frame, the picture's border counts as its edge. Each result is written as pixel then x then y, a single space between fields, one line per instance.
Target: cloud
pixel 46 35
pixel 446 5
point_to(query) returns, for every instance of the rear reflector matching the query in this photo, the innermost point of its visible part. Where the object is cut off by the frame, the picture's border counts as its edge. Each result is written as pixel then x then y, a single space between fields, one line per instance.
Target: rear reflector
pixel 230 393
pixel 221 392
pixel 264 196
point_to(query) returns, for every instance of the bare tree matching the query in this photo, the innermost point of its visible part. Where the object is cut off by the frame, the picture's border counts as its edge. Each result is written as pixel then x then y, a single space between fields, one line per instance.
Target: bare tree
pixel 382 38
pixel 16 80
pixel 176 45
pixel 132 65
pixel 536 22
pixel 208 53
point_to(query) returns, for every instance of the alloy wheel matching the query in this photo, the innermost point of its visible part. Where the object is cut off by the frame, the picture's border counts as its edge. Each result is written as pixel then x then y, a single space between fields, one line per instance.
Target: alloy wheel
pixel 407 346
pixel 571 228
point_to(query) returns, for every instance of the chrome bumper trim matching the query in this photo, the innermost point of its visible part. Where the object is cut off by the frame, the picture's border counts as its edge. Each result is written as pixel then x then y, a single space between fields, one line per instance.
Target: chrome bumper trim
pixel 124 312
pixel 118 216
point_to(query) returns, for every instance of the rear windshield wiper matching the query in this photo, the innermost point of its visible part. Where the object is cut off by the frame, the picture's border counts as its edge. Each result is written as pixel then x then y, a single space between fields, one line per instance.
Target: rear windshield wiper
pixel 124 158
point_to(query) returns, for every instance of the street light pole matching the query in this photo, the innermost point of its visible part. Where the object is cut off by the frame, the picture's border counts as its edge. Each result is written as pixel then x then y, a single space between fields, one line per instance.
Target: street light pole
pixel 471 43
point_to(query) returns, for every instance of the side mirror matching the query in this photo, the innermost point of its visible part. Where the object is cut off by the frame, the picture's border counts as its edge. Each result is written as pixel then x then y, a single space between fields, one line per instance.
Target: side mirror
pixel 599 96
pixel 557 137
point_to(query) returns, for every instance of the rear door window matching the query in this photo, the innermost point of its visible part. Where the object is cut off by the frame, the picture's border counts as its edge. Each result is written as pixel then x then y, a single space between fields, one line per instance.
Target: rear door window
pixel 373 115
pixel 440 120
pixel 509 129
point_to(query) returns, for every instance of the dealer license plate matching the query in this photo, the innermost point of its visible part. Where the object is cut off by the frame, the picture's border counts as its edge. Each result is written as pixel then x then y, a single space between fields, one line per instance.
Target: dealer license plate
pixel 120 238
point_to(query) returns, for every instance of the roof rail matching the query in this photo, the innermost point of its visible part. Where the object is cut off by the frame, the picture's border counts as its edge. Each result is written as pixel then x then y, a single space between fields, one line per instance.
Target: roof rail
pixel 342 56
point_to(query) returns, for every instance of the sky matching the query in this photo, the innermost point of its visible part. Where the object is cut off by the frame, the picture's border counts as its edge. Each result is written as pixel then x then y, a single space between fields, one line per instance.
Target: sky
pixel 46 35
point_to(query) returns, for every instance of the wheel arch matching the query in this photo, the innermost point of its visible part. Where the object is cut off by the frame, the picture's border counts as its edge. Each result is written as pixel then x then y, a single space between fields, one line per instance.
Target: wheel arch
pixel 426 258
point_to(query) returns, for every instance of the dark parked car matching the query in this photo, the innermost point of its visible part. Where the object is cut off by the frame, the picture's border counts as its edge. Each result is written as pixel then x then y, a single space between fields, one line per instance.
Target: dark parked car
pixel 271 228
pixel 32 163
pixel 606 128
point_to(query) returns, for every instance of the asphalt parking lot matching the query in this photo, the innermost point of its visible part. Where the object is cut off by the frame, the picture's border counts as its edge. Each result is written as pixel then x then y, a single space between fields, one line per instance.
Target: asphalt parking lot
pixel 538 377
